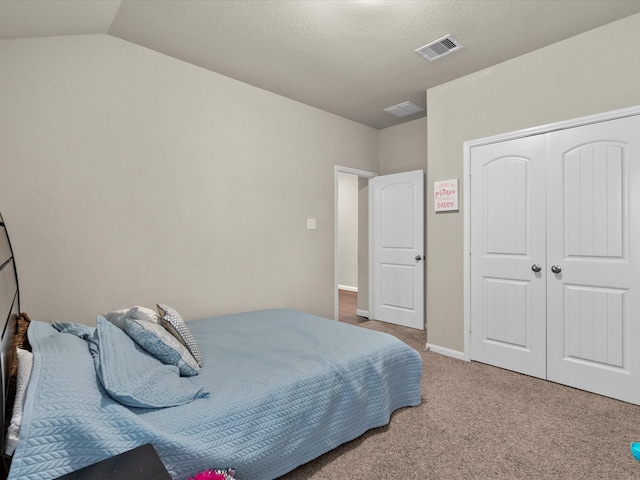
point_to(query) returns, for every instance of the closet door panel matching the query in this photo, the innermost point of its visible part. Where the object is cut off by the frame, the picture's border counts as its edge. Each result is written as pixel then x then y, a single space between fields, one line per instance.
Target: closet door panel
pixel 593 218
pixel 593 182
pixel 508 238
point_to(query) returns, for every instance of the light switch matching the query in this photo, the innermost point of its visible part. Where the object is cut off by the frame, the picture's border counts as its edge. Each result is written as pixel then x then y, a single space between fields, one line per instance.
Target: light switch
pixel 311 223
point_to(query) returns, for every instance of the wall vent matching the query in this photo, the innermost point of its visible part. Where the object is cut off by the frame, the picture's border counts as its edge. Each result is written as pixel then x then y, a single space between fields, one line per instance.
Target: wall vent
pixel 404 109
pixel 439 48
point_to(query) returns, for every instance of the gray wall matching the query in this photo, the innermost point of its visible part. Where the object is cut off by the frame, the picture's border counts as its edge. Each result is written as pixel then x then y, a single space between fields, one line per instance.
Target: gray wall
pixel 131 178
pixel 594 72
pixel 404 147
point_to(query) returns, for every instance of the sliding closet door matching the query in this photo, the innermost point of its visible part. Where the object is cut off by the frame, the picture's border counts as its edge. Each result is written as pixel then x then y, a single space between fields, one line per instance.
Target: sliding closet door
pixel 593 258
pixel 508 255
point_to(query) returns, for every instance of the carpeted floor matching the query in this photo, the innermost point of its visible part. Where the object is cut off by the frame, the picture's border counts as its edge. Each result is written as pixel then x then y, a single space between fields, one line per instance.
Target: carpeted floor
pixel 482 422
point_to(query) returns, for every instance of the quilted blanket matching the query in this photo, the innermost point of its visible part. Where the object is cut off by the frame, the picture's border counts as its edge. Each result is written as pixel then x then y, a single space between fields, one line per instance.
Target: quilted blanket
pixel 285 387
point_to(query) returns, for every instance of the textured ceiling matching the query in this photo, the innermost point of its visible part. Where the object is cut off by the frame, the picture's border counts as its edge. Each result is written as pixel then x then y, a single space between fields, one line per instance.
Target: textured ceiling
pixel 349 57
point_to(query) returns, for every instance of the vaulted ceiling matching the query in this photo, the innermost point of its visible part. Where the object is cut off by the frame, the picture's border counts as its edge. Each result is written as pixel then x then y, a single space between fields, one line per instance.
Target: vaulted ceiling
pixel 353 58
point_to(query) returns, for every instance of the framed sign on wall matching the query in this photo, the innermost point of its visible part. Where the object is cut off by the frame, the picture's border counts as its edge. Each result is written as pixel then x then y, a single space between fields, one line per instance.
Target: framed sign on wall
pixel 445 195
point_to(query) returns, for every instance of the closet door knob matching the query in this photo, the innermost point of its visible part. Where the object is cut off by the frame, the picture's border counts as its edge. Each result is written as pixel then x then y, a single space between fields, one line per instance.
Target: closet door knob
pixel 536 268
pixel 556 269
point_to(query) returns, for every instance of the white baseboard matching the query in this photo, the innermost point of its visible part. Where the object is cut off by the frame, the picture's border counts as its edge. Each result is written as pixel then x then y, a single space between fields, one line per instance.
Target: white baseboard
pixel 445 351
pixel 347 288
pixel 362 313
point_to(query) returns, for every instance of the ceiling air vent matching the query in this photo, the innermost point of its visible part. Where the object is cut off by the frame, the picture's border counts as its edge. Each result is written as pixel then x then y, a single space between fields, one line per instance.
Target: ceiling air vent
pixel 404 109
pixel 439 48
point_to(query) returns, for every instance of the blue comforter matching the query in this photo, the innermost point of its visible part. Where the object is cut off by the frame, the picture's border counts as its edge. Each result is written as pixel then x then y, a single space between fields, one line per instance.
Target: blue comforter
pixel 285 387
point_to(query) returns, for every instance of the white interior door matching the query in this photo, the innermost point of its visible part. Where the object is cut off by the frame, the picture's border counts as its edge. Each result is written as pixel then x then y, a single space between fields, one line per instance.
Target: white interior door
pixel 507 253
pixel 397 248
pixel 593 192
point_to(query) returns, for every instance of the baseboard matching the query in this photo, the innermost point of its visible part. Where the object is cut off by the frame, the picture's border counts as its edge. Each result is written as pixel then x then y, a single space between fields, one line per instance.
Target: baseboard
pixel 445 351
pixel 362 313
pixel 347 288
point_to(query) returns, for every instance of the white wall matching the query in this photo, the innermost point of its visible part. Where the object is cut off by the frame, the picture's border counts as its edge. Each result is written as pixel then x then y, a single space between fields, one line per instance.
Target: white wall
pixel 594 72
pixel 131 178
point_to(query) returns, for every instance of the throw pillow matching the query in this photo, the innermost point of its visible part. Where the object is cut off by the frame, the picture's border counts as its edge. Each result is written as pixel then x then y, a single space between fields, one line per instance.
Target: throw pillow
pixel 173 322
pixel 157 341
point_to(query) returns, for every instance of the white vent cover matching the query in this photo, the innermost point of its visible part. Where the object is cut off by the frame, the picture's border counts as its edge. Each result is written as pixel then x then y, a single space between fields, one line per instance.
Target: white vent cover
pixel 439 48
pixel 404 109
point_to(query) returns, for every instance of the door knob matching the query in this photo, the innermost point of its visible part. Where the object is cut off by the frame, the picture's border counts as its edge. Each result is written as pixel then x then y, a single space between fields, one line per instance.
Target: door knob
pixel 556 269
pixel 418 258
pixel 536 268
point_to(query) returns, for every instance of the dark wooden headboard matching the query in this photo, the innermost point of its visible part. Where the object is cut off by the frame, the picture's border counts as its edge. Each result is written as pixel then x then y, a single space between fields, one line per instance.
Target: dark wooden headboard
pixel 9 311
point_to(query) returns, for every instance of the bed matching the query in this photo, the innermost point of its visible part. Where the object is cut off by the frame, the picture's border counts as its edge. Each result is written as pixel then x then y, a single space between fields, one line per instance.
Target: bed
pixel 269 390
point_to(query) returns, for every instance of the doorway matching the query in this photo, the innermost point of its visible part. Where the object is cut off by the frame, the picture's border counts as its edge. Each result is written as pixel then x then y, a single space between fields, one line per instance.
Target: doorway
pixel 348 248
pixel 351 284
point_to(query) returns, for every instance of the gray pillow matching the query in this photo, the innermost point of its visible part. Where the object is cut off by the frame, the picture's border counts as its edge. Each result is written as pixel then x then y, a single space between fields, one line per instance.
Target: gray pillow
pixel 157 341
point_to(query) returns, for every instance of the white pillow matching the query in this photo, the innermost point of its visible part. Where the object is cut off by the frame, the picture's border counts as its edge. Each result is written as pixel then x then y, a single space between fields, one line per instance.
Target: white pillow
pixel 120 317
pixel 25 365
pixel 144 313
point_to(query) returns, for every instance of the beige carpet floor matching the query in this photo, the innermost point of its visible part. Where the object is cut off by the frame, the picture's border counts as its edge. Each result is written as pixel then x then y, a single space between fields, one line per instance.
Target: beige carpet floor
pixel 482 422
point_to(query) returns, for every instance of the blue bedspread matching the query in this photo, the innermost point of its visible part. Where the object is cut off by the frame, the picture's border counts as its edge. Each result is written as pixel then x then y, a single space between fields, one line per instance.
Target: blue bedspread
pixel 285 387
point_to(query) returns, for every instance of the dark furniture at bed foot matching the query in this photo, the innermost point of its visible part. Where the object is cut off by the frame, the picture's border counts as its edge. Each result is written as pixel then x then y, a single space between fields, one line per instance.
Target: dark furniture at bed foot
pixel 140 463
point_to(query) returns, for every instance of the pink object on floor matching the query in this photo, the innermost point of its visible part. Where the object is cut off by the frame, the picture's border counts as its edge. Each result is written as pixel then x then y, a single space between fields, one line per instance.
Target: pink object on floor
pixel 215 475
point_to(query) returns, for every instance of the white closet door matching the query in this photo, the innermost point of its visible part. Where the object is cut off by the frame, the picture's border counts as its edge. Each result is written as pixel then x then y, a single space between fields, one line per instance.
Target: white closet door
pixel 593 314
pixel 507 245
